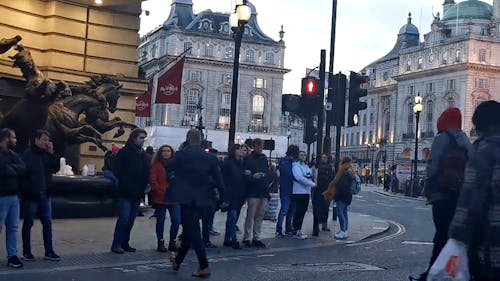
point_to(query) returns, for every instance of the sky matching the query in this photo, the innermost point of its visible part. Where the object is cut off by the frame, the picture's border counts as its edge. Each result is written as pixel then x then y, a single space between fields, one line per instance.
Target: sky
pixel 366 29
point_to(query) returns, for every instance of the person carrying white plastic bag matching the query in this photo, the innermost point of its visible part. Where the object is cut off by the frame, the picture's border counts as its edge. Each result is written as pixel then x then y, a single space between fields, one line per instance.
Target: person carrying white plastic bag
pixel 452 263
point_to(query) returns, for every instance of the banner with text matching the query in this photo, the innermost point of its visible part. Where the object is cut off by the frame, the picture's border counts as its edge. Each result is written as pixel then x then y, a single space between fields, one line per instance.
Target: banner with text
pixel 168 88
pixel 143 103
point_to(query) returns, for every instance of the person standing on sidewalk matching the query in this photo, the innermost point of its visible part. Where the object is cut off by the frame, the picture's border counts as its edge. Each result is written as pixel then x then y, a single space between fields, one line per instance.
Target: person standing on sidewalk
pixel 301 189
pixel 286 189
pixel 196 174
pixel 340 190
pixel 12 168
pixel 160 182
pixel 451 149
pixel 321 207
pixel 233 173
pixel 41 163
pixel 257 194
pixel 132 171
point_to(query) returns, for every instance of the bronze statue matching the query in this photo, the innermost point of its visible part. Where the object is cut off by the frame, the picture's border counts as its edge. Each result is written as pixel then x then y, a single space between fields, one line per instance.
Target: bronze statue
pixel 6 44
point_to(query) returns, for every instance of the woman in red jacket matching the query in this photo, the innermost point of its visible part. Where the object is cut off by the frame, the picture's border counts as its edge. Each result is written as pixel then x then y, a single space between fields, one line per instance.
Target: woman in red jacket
pixel 159 184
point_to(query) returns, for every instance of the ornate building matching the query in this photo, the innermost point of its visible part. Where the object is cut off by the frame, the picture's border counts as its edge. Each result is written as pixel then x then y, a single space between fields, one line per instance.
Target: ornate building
pixel 456 65
pixel 207 39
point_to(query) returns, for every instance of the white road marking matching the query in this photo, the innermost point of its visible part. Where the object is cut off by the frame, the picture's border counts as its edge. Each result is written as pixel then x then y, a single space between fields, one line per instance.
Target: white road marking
pixel 387 205
pixel 401 231
pixel 363 215
pixel 421 208
pixel 379 228
pixel 361 200
pixel 417 243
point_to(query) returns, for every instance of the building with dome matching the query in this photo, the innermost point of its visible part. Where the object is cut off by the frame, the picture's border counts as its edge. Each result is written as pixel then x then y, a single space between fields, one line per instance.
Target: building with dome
pixel 207 77
pixel 456 65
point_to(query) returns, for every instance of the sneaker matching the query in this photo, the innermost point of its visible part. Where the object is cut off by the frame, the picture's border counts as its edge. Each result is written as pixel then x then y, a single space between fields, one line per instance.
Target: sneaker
pixel 28 257
pixel 14 262
pixel 52 256
pixel 247 243
pixel 341 235
pixel 209 245
pixel 279 235
pixel 258 244
pixel 161 247
pixel 300 235
pixel 237 246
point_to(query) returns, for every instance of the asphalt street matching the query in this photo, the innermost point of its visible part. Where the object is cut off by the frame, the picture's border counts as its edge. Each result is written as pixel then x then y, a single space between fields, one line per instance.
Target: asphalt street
pixel 393 255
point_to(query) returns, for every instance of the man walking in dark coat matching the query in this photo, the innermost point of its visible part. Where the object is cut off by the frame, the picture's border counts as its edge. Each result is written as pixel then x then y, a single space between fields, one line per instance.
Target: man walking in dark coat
pixel 196 174
pixel 132 170
pixel 41 163
pixel 11 170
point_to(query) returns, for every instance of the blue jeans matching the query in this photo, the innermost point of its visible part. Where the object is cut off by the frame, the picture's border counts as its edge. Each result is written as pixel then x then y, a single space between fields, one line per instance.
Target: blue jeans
pixel 342 215
pixel 232 219
pixel 127 211
pixel 175 220
pixel 9 215
pixel 110 175
pixel 286 201
pixel 30 208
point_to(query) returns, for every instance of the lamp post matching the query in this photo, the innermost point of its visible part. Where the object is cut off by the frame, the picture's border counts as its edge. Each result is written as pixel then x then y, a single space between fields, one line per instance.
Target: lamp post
pixel 371 148
pixel 288 136
pixel 238 19
pixel 417 108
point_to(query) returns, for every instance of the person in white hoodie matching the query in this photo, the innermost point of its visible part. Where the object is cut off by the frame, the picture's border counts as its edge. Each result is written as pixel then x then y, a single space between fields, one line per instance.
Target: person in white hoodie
pixel 302 185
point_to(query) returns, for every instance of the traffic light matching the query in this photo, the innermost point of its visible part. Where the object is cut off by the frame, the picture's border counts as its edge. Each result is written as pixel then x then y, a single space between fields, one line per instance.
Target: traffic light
pixel 336 116
pixel 310 96
pixel 357 90
pixel 310 131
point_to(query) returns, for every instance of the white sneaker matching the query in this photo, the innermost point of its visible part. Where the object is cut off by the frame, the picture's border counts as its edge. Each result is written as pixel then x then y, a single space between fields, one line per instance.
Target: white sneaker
pixel 346 235
pixel 300 235
pixel 340 235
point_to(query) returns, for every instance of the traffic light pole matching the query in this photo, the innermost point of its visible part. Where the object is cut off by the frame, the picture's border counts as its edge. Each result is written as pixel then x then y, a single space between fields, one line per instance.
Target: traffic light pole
pixel 321 112
pixel 328 140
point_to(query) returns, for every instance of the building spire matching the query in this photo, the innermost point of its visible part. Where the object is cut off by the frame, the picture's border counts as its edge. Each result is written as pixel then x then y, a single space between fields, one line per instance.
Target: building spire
pixel 409 18
pixel 282 33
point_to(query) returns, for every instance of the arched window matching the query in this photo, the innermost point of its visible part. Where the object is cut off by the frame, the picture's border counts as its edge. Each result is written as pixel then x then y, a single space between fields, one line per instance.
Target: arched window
pixel 430 116
pixel 409 127
pixel 209 51
pixel 270 58
pixel 250 56
pixel 387 123
pixel 224 111
pixel 192 99
pixel 257 122
pixel 458 56
pixel 229 53
pixel 188 48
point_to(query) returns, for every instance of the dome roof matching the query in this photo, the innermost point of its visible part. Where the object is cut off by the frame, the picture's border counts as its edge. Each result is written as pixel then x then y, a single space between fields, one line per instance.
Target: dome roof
pixel 409 28
pixel 470 9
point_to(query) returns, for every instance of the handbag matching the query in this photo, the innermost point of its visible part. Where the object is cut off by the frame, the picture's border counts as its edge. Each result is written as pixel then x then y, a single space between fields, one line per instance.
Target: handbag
pixel 452 263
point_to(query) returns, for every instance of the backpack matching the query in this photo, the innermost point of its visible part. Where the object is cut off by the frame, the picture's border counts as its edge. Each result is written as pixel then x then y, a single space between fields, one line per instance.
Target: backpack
pixel 452 167
pixel 355 185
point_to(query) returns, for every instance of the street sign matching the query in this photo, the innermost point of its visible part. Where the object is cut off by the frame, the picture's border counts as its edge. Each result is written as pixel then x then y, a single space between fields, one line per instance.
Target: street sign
pixel 328 106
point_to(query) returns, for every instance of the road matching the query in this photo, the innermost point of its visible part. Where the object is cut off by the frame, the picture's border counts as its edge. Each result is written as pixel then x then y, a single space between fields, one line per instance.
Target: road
pixel 401 251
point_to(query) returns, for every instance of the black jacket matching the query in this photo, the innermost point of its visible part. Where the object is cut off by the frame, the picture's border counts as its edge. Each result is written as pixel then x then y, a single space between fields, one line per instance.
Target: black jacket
pixel 11 170
pixel 196 174
pixel 343 192
pixel 257 188
pixel 132 167
pixel 233 173
pixel 40 165
pixel 325 176
pixel 109 161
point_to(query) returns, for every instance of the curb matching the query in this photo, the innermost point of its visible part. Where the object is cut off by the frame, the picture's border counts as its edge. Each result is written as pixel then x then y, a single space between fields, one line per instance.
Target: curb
pixel 401 197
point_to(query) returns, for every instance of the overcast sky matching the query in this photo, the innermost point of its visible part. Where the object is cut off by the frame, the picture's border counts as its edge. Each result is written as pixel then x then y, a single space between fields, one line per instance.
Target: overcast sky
pixel 366 29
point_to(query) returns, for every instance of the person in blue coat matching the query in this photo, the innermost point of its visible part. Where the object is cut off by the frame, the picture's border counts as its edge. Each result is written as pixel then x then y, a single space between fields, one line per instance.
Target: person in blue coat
pixel 286 188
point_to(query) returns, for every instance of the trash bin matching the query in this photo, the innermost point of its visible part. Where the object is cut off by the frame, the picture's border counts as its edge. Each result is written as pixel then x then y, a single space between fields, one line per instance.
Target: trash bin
pixel 272 207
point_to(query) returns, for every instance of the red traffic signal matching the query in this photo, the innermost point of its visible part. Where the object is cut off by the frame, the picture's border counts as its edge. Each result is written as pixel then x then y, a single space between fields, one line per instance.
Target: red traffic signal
pixel 310 85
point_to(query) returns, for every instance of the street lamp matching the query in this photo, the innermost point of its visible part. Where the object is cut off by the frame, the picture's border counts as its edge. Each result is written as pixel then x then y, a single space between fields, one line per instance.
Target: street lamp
pixel 238 19
pixel 417 108
pixel 371 148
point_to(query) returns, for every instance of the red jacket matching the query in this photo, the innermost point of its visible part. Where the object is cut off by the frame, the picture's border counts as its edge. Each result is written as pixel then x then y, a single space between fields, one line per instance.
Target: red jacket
pixel 159 184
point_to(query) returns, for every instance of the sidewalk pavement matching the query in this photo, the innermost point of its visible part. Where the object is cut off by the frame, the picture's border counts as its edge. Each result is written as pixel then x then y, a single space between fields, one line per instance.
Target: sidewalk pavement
pixel 380 190
pixel 86 242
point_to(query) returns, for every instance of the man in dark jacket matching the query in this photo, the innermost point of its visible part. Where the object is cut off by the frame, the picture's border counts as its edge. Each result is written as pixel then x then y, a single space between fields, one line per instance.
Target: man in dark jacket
pixel 286 188
pixel 196 174
pixel 257 194
pixel 475 223
pixel 132 170
pixel 11 170
pixel 443 202
pixel 41 163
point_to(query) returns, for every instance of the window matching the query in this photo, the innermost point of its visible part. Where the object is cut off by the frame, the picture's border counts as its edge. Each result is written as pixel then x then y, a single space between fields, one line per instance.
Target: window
pixel 482 55
pixel 420 63
pixel 409 128
pixel 445 57
pixel 226 100
pixel 153 51
pixel 209 51
pixel 227 79
pixel 411 90
pixel 429 88
pixel 450 84
pixel 229 53
pixel 260 83
pixel 458 56
pixel 224 118
pixel 408 65
pixel 250 56
pixel 385 76
pixel 364 120
pixel 430 116
pixel 481 83
pixel 372 102
pixel 194 76
pixel 347 140
pixel 270 58
pixel 387 123
pixel 451 102
pixel 372 118
pixel 192 99
pixel 357 139
pixel 188 48
pixel 258 104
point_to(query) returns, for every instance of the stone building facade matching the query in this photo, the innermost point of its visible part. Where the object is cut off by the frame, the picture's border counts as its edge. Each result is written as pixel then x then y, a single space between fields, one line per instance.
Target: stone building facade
pixel 456 65
pixel 207 39
pixel 70 41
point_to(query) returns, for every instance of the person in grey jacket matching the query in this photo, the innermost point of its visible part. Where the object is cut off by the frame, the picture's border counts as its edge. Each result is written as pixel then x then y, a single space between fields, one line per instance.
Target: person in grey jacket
pixel 302 185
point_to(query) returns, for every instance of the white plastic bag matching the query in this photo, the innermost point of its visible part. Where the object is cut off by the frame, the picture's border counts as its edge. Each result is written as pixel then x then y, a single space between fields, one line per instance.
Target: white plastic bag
pixel 452 263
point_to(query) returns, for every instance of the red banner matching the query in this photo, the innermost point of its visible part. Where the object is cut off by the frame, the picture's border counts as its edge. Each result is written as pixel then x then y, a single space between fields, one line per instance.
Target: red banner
pixel 168 89
pixel 143 103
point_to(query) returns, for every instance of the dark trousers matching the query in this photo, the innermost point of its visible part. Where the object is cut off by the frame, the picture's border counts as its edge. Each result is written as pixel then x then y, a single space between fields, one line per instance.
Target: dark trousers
pixel 42 207
pixel 442 214
pixel 301 204
pixel 127 212
pixel 191 235
pixel 175 220
pixel 207 222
